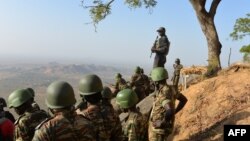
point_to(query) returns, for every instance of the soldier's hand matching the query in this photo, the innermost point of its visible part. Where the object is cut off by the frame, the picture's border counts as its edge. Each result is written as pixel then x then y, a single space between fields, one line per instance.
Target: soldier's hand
pixel 159 123
pixel 153 49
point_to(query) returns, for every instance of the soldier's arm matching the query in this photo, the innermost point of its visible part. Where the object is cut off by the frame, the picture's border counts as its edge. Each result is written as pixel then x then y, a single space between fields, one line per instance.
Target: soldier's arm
pixel 182 102
pixel 22 130
pixel 117 134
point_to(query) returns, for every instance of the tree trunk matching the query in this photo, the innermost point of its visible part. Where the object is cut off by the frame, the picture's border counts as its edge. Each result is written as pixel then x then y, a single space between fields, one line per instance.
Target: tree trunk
pixel 206 20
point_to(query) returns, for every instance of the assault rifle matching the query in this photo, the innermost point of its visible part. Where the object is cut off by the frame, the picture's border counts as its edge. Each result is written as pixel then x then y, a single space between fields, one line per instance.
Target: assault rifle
pixel 154 45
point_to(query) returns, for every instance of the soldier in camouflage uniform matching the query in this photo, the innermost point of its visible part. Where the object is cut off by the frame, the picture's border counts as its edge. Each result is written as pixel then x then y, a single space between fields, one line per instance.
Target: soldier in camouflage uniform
pixel 104 118
pixel 135 123
pixel 106 97
pixel 146 82
pixel 65 125
pixel 29 118
pixel 137 83
pixel 120 83
pixel 177 68
pixel 162 115
pixel 161 48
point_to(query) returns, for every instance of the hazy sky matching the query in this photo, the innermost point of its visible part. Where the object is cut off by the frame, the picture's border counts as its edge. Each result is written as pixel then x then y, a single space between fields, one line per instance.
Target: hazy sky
pixel 55 30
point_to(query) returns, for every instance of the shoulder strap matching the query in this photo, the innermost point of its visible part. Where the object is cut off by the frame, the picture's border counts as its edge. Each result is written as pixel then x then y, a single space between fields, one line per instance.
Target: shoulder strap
pixel 40 125
pixel 18 119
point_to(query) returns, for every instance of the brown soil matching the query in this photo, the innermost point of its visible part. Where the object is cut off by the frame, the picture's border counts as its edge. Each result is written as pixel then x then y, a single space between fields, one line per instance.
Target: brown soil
pixel 221 100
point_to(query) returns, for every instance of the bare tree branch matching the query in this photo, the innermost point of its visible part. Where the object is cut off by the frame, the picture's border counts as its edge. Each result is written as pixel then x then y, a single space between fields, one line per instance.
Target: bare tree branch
pixel 213 8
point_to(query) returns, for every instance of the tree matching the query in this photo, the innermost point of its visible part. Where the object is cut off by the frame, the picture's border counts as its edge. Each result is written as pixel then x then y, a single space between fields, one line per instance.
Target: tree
pixel 100 9
pixel 241 30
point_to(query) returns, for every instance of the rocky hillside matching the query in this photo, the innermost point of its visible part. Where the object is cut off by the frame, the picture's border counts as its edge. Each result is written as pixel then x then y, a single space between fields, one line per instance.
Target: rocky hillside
pixel 212 103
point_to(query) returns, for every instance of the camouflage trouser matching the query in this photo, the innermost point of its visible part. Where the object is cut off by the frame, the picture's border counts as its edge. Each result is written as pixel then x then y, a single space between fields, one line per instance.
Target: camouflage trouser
pixel 176 80
pixel 157 134
pixel 159 61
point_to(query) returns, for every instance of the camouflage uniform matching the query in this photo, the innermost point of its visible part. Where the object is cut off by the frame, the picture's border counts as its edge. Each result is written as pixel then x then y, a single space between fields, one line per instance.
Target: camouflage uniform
pixel 162 96
pixel 134 127
pixel 120 84
pixel 161 49
pixel 137 84
pixel 106 120
pixel 176 77
pixel 25 125
pixel 146 84
pixel 65 126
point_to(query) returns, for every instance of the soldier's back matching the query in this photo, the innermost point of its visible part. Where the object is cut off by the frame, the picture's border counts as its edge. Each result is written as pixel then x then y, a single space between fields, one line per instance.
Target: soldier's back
pixel 25 125
pixel 106 120
pixel 59 128
pixel 134 128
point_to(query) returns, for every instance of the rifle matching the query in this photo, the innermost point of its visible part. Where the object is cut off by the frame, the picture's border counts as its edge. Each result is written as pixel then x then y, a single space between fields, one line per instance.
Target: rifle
pixel 154 46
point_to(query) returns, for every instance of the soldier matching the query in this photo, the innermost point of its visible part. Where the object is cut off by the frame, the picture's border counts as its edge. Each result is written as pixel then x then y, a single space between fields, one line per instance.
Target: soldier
pixel 107 122
pixel 146 82
pixel 34 104
pixel 29 118
pixel 65 125
pixel 135 123
pixel 160 48
pixel 177 68
pixel 4 113
pixel 162 114
pixel 137 83
pixel 120 83
pixel 106 96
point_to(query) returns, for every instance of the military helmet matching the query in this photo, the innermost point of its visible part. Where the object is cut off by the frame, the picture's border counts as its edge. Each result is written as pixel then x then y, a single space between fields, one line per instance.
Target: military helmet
pixel 32 92
pixel 159 73
pixel 60 94
pixel 118 75
pixel 177 60
pixel 137 69
pixel 106 93
pixel 161 29
pixel 2 102
pixel 19 97
pixel 90 84
pixel 126 98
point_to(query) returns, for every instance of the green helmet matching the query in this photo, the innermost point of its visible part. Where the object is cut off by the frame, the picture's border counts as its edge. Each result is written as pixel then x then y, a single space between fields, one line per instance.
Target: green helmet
pixel 90 84
pixel 19 97
pixel 137 69
pixel 118 75
pixel 106 93
pixel 126 98
pixel 32 92
pixel 2 102
pixel 60 94
pixel 159 73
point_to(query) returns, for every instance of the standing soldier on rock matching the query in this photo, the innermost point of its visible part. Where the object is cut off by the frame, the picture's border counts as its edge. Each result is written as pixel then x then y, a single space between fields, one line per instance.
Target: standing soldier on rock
pixel 21 100
pixel 135 123
pixel 160 48
pixel 137 83
pixel 177 69
pixel 107 122
pixel 65 124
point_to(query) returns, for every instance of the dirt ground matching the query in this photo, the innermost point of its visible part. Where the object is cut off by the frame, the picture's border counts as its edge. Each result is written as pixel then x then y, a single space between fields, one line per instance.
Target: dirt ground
pixel 221 100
